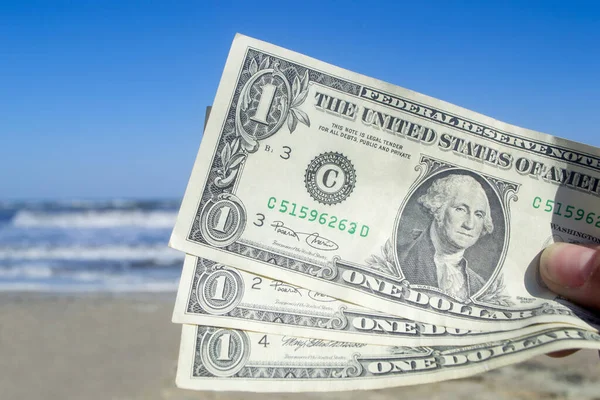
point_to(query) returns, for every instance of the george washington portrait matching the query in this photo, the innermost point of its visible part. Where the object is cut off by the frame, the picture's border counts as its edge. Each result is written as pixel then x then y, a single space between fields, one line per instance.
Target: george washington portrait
pixel 445 238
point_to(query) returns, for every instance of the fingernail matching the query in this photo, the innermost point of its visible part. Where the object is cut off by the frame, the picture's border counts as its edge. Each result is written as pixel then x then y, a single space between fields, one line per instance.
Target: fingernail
pixel 569 265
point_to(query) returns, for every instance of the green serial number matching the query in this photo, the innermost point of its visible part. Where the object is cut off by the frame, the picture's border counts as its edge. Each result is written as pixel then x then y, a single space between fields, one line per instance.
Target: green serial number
pixel 569 211
pixel 303 212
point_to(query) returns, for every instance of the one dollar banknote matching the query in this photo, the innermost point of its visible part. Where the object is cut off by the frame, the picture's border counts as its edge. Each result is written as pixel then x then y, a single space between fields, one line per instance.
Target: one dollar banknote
pixel 214 358
pixel 383 197
pixel 216 295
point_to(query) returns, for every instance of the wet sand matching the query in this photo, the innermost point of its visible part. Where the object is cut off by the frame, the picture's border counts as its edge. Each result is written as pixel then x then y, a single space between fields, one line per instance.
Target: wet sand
pixel 104 347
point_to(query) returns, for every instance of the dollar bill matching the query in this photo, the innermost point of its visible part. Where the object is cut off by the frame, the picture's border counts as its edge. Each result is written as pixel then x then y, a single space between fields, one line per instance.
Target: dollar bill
pixel 214 358
pixel 380 196
pixel 216 295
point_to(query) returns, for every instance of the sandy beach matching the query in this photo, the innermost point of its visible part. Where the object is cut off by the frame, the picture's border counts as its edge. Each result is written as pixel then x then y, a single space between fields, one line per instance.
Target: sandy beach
pixel 108 347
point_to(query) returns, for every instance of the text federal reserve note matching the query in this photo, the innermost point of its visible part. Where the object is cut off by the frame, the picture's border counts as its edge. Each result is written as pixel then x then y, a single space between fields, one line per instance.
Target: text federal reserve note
pixel 213 358
pixel 379 196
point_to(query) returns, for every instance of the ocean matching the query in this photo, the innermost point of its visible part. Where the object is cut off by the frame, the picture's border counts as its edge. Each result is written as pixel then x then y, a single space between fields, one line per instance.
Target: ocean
pixel 88 246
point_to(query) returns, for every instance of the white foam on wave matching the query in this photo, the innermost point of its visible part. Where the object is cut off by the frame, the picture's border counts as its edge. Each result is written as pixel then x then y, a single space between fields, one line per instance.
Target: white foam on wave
pixel 159 254
pixel 124 287
pixel 34 271
pixel 40 271
pixel 42 278
pixel 95 219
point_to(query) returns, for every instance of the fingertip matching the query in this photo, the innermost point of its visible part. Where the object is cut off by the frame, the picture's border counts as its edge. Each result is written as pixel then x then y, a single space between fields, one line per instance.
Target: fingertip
pixel 568 265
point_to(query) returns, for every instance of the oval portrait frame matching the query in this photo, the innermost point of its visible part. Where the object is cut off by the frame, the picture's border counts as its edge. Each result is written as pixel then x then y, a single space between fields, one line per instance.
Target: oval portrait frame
pixel 411 216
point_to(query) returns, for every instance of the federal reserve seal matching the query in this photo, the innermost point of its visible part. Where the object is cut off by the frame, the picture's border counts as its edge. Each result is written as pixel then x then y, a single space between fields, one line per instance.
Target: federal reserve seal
pixel 330 178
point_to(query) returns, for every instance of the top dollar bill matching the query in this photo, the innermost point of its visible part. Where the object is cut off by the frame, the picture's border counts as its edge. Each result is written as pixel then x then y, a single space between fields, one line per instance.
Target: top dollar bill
pixel 381 196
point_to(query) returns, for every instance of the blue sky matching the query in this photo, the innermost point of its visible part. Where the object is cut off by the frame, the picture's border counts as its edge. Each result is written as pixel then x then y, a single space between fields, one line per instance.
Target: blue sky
pixel 106 99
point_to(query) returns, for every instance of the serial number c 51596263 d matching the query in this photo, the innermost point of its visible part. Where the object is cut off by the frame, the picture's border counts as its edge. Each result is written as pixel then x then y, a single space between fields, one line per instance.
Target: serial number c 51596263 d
pixel 313 215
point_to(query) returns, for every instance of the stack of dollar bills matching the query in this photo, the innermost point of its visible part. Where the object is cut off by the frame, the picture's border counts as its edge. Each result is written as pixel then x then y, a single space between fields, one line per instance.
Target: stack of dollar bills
pixel 344 233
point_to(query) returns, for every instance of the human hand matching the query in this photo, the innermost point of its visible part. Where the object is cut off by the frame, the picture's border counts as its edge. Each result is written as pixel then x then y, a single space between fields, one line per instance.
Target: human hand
pixel 573 272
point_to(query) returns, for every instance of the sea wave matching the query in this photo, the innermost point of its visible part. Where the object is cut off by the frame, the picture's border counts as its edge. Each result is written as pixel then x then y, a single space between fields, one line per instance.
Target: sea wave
pixel 155 254
pixel 103 287
pixel 94 219
pixel 39 270
pixel 35 271
pixel 73 245
pixel 82 204
pixel 48 277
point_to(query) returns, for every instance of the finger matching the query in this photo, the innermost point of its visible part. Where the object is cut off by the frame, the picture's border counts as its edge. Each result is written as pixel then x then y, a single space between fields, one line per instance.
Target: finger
pixel 562 353
pixel 572 271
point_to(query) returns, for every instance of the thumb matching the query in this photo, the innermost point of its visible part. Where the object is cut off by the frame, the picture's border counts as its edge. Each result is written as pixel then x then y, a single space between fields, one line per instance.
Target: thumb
pixel 572 271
